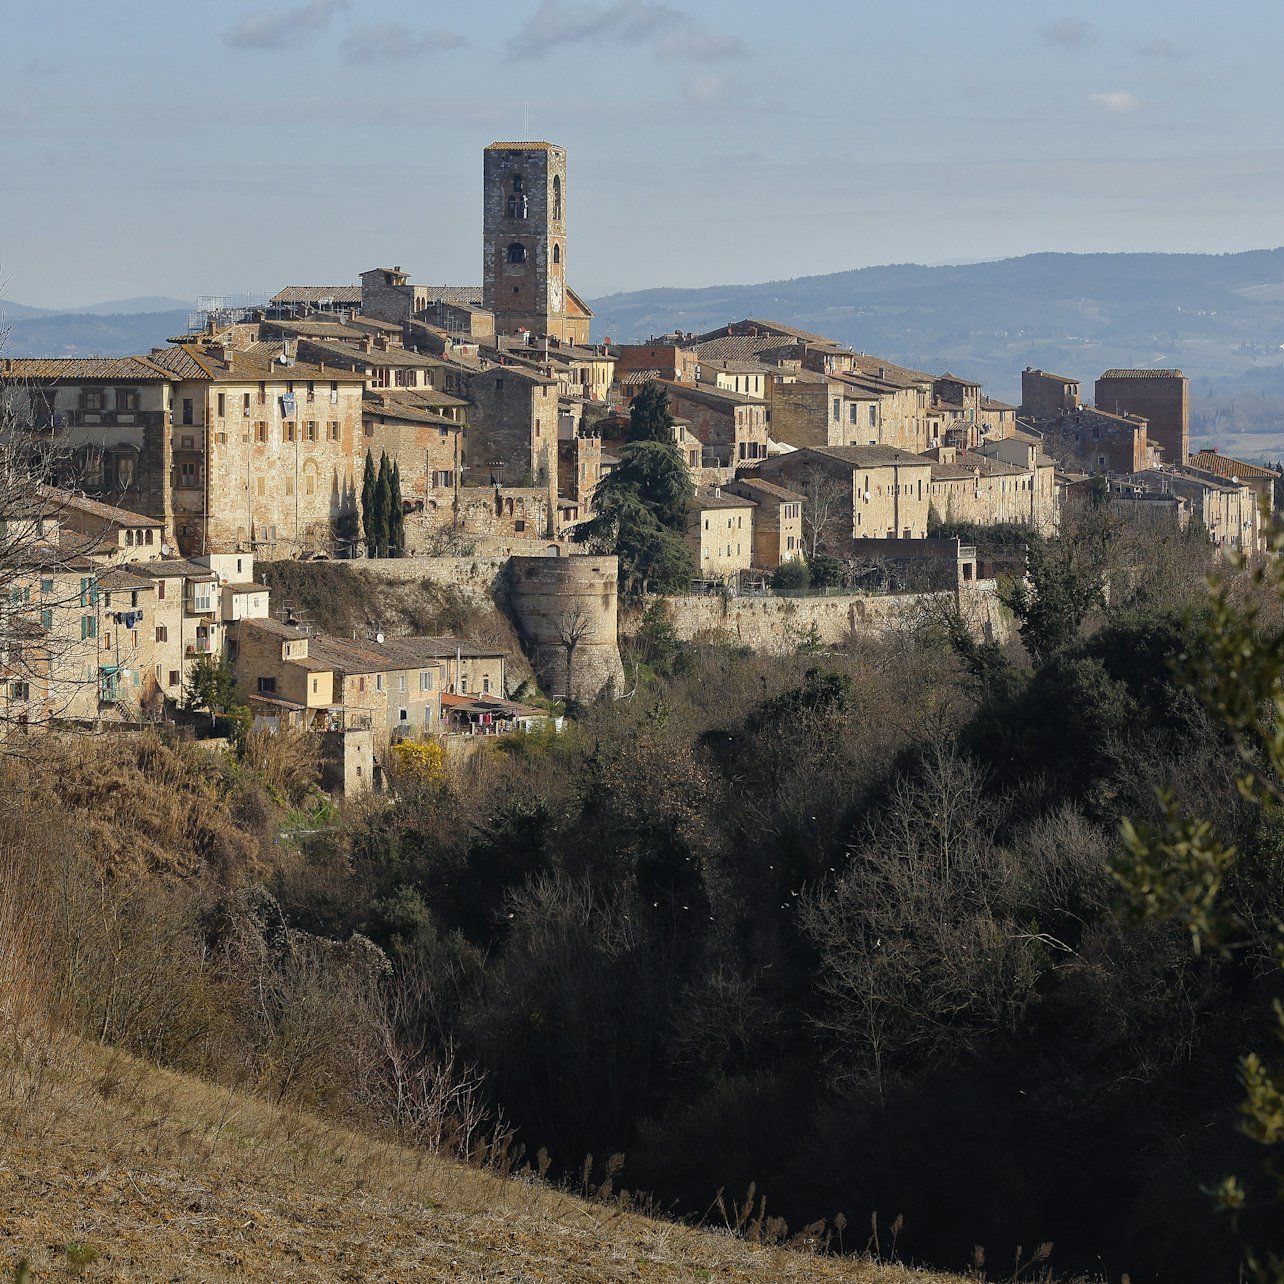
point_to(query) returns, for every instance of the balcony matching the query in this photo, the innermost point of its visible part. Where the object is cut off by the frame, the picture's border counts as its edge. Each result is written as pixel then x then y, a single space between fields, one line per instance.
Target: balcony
pixel 202 646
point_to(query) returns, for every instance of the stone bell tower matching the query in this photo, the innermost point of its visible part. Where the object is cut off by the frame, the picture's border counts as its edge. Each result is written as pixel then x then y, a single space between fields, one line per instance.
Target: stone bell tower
pixel 524 238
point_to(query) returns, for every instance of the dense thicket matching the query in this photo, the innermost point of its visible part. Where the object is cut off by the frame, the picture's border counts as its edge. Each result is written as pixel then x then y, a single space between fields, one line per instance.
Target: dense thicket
pixel 839 923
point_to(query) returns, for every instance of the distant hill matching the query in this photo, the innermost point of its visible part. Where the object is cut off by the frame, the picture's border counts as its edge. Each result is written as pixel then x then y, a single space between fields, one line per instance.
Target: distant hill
pixel 1219 317
pixel 85 334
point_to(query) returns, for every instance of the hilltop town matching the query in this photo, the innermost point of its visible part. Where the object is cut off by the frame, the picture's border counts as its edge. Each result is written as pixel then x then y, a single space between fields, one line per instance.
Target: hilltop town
pixel 484 420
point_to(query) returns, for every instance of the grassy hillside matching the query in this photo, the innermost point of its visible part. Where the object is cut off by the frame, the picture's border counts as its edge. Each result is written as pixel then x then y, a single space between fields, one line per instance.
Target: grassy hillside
pixel 111 1169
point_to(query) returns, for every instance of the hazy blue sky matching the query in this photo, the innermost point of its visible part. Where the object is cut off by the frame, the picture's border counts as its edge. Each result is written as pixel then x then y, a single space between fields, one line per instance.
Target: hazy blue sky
pixel 189 149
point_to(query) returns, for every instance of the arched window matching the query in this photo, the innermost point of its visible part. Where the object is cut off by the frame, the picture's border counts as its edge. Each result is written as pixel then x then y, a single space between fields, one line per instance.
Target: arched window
pixel 557 196
pixel 517 207
pixel 557 253
pixel 516 253
pixel 517 182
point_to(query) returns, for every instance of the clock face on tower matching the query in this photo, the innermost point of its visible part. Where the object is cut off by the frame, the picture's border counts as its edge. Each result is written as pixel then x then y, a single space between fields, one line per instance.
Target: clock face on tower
pixel 555 294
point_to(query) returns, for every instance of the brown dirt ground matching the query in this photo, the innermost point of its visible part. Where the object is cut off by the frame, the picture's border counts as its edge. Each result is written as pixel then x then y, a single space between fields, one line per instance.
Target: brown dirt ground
pixel 163 1177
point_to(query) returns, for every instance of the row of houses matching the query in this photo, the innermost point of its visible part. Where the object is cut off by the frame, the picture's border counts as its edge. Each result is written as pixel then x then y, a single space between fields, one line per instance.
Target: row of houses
pixel 101 623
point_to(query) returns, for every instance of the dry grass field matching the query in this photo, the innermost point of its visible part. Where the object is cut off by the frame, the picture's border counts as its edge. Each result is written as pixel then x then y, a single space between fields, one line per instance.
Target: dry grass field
pixel 111 1169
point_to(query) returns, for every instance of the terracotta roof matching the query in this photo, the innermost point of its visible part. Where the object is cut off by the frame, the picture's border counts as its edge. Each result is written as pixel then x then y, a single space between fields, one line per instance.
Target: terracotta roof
pixel 705 498
pixel 277 628
pixel 342 294
pixel 169 568
pixel 1141 374
pixel 780 493
pixel 523 147
pixel 868 456
pixel 1213 461
pixel 1047 374
pixel 64 500
pixel 123 369
pixel 403 408
pixel 125 578
pixel 720 397
pixel 461 296
pixel 973 465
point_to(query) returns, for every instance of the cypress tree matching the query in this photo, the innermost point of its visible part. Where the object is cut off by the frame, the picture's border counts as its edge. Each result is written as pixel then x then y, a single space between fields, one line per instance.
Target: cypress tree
pixel 368 518
pixel 382 506
pixel 397 518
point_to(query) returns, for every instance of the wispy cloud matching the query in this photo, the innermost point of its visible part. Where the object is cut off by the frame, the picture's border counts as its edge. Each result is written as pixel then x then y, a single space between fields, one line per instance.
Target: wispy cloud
pixel 1115 101
pixel 1158 49
pixel 288 30
pixel 704 87
pixel 391 42
pixel 1068 33
pixel 653 24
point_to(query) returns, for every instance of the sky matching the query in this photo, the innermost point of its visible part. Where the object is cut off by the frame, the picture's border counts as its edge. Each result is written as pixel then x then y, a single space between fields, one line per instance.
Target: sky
pixel 188 150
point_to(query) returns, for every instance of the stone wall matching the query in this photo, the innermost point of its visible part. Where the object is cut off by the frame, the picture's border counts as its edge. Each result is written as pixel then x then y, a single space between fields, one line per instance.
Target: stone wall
pixel 553 599
pixel 779 625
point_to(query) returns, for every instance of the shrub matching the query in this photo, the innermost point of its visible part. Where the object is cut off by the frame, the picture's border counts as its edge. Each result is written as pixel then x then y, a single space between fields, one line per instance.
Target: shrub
pixel 791 575
pixel 419 760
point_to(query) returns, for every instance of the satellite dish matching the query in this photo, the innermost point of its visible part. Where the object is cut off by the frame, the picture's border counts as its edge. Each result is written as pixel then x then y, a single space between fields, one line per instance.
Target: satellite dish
pixel 379 638
pixel 166 550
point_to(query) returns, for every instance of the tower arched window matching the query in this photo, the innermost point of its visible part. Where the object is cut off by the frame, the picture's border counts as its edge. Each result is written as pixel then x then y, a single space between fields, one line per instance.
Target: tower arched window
pixel 557 253
pixel 517 207
pixel 517 183
pixel 516 253
pixel 557 196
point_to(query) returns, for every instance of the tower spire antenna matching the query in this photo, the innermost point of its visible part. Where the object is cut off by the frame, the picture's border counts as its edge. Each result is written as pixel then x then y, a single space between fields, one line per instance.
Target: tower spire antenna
pixel 526 121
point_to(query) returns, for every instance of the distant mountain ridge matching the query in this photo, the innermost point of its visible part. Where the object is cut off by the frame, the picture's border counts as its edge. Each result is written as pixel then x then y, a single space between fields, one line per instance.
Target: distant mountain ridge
pixel 1217 316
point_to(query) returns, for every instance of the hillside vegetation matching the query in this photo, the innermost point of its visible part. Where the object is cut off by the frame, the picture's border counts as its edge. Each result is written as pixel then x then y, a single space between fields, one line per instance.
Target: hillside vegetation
pixel 838 928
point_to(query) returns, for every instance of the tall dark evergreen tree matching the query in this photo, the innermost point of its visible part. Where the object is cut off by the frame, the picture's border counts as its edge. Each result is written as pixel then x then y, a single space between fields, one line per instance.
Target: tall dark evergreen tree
pixel 649 417
pixel 368 517
pixel 383 506
pixel 396 516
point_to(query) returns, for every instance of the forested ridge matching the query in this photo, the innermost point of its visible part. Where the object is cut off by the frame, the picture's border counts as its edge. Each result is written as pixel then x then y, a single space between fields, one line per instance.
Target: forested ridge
pixel 841 926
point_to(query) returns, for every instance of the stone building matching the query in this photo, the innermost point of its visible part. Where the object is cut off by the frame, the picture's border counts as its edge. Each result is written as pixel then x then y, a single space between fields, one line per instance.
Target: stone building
pixel 104 423
pixel 731 426
pixel 1098 441
pixel 777 520
pixel 971 487
pixel 1265 481
pixel 264 448
pixel 866 492
pixel 720 532
pixel 512 438
pixel 524 208
pixel 1161 397
pixel 1045 395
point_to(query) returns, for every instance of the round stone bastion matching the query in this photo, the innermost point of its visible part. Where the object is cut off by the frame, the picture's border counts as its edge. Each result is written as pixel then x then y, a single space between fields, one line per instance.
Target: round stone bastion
pixel 565 608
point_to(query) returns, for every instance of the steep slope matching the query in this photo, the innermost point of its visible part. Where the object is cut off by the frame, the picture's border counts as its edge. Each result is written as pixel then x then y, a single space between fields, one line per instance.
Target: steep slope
pixel 113 1170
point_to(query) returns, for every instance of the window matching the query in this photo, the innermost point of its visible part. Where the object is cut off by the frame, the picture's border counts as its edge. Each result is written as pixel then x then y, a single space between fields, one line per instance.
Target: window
pixel 499 385
pixel 173 677
pixel 557 253
pixel 312 430
pixel 557 196
pixel 289 485
pixel 288 430
pixel 160 590
pixel 518 207
pixel 267 686
pixel 314 686
pixel 485 685
pixel 126 398
pixel 94 399
pixel 88 627
pixel 245 404
pixel 162 633
pixel 838 409
pixel 46 619
pixel 334 430
pixel 260 431
pixel 378 681
pixel 187 476
pixel 425 680
pixel 312 391
pixel 406 378
pixel 222 404
pixel 401 682
pixel 187 411
pixel 853 413
pixel 262 392
pixel 516 253
pixel 309 484
pixel 873 416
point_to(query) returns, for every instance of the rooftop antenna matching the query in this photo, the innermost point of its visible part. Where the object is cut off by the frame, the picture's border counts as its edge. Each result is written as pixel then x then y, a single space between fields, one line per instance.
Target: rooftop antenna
pixel 526 109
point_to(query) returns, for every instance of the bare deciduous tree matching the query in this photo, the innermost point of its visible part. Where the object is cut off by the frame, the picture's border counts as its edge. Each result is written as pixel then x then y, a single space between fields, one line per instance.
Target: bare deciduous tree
pixel 826 513
pixel 573 626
